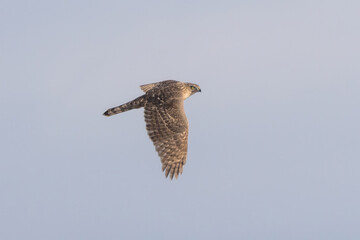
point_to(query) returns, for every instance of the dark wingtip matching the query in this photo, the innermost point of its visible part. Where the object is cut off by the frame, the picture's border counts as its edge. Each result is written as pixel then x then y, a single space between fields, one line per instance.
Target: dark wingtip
pixel 107 113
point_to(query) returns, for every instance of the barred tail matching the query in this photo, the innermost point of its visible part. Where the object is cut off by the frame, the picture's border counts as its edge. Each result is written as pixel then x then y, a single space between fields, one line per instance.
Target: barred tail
pixel 136 103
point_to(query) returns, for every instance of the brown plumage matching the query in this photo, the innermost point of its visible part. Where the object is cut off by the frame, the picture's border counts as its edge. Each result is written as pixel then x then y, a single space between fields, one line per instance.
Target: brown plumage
pixel 165 118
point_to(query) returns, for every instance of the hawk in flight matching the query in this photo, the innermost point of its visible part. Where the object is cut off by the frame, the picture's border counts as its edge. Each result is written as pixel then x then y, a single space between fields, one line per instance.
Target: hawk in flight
pixel 165 118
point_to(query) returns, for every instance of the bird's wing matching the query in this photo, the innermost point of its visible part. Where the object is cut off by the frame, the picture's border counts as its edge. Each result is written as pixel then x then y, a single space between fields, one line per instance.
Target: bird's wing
pixel 167 127
pixel 147 87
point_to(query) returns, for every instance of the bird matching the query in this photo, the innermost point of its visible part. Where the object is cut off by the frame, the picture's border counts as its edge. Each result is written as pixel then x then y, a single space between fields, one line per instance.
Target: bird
pixel 166 122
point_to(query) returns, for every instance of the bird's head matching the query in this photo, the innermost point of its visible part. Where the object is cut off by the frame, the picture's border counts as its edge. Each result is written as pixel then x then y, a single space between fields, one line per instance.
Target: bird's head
pixel 194 88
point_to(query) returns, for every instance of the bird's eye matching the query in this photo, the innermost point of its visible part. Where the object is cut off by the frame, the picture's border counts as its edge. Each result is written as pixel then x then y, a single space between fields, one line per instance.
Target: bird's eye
pixel 193 88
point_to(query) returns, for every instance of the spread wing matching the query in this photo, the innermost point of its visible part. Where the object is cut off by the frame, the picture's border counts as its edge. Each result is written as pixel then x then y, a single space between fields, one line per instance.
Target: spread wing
pixel 167 127
pixel 147 87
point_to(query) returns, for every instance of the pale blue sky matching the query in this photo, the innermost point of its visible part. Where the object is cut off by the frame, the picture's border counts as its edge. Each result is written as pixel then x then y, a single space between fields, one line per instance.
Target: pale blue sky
pixel 274 145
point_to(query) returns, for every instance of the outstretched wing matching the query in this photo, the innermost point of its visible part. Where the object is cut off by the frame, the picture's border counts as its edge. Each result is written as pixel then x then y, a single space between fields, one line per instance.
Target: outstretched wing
pixel 167 127
pixel 148 87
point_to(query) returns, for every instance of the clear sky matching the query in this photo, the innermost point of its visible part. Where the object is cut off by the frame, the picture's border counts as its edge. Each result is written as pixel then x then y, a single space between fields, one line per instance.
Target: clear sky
pixel 274 143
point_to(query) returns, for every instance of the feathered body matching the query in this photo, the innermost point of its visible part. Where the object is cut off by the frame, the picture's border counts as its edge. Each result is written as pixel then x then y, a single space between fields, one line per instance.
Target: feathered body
pixel 165 118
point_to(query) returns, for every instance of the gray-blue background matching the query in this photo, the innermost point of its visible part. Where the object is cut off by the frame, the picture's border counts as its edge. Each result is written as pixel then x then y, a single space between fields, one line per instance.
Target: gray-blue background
pixel 274 145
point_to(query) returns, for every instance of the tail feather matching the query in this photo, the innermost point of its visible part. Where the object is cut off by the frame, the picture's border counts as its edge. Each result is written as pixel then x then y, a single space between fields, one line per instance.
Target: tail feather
pixel 136 103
